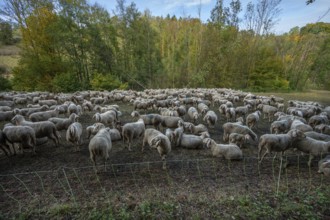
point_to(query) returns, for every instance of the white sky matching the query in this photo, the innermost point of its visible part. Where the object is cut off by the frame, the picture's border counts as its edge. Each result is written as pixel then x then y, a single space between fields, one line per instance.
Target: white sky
pixel 293 12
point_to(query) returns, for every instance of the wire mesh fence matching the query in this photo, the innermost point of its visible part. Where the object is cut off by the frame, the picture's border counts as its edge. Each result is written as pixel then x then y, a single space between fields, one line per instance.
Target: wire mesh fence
pixel 39 190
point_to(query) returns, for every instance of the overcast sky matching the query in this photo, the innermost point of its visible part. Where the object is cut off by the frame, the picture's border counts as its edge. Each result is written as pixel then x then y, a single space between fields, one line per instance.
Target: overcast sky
pixel 293 12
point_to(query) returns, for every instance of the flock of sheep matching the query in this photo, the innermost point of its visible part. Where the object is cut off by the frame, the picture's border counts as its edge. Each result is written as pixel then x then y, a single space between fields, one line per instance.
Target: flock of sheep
pixel 31 119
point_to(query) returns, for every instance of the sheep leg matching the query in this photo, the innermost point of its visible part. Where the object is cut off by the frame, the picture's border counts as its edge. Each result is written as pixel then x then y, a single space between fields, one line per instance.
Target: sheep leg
pixel 164 161
pixel 266 152
pixel 311 156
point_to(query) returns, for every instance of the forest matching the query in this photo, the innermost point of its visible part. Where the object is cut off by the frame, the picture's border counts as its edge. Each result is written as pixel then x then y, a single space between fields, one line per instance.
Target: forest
pixel 72 45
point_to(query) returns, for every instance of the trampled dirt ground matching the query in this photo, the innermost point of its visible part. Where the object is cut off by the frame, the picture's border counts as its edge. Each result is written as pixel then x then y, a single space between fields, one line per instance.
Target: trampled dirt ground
pixel 59 183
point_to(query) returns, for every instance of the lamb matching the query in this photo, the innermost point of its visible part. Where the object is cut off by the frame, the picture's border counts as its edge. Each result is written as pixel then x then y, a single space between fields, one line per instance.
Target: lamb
pixel 278 142
pixel 229 151
pixel 268 111
pixel 107 118
pixel 238 139
pixel 100 145
pixel 157 140
pixel 24 135
pixel 132 130
pixel 149 119
pixel 93 129
pixel 73 134
pixel 210 118
pixel 64 123
pixel 193 114
pixel 253 119
pixel 195 129
pixel 229 128
pixel 312 147
pixel 324 166
pixel 42 128
pixel 189 141
pixel 44 116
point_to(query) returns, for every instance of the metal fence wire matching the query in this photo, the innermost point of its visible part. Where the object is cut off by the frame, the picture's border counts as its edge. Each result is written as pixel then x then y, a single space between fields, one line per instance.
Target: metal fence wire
pixel 38 190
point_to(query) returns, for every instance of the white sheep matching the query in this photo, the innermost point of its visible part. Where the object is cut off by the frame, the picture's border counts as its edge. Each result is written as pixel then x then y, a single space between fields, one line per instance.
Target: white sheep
pixel 149 119
pixel 107 118
pixel 229 151
pixel 312 147
pixel 317 136
pixel 193 114
pixel 324 166
pixel 297 124
pixel 64 123
pixel 230 114
pixel 41 128
pixel 44 116
pixel 210 118
pixel 203 108
pixel 238 139
pixel 73 134
pixel 170 121
pixel 132 130
pixel 188 141
pixel 280 127
pixel 278 142
pixel 93 129
pixel 268 111
pixel 157 140
pixel 253 119
pixel 23 135
pixel 229 128
pixel 100 145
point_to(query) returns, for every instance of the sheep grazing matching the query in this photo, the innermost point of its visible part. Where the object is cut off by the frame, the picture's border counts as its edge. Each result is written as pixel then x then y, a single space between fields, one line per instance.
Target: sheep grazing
pixel 42 128
pixel 230 114
pixel 317 136
pixel 238 139
pixel 189 141
pixel 268 111
pixel 23 135
pixel 280 127
pixel 278 142
pixel 100 145
pixel 324 166
pixel 37 109
pixel 210 118
pixel 44 116
pixel 6 116
pixel 170 121
pixel 149 119
pixel 312 147
pixel 253 119
pixel 73 134
pixel 195 129
pixel 297 124
pixel 228 151
pixel 242 111
pixel 93 129
pixel 203 108
pixel 107 118
pixel 193 114
pixel 132 130
pixel 229 128
pixel 64 123
pixel 324 129
pixel 157 140
pixel 115 134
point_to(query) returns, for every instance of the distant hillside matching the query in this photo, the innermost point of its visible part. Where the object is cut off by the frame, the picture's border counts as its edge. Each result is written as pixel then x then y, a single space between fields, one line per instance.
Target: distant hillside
pixel 9 56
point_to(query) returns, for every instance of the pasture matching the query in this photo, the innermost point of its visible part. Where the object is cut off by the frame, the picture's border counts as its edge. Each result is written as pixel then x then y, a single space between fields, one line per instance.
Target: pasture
pixel 60 183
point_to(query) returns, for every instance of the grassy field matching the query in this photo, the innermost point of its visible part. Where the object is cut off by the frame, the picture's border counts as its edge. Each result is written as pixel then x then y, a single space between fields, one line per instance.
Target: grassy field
pixel 9 56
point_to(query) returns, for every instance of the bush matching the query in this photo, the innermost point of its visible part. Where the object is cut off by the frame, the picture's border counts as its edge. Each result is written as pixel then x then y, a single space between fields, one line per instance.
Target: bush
pixel 66 82
pixel 107 82
pixel 4 84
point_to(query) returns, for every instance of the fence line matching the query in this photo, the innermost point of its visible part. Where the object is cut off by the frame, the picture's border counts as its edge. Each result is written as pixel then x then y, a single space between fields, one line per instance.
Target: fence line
pixel 77 185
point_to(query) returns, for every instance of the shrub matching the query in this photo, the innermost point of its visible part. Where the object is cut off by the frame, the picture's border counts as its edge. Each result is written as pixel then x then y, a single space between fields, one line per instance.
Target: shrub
pixel 106 82
pixel 66 82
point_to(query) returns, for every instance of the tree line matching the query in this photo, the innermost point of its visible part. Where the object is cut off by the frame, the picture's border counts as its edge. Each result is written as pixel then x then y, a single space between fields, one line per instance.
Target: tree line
pixel 71 45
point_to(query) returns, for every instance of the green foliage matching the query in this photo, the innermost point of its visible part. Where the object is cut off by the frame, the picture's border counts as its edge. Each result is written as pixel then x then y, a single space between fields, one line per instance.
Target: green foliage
pixel 106 82
pixel 66 82
pixel 5 84
pixel 6 33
